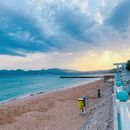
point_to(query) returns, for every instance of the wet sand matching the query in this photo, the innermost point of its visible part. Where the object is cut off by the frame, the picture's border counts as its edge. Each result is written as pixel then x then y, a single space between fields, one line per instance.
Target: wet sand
pixel 52 111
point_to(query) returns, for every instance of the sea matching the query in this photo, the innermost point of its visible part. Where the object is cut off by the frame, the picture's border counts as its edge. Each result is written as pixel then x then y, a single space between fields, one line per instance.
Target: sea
pixel 21 86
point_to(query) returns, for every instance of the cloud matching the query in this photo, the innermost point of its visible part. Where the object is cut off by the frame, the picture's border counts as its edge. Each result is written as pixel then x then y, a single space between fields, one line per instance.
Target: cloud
pixel 46 28
pixel 75 24
pixel 39 26
pixel 38 61
pixel 75 60
pixel 119 17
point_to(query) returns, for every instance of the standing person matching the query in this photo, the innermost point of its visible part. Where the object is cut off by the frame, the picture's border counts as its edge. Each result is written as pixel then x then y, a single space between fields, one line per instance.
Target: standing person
pixel 99 93
pixel 85 102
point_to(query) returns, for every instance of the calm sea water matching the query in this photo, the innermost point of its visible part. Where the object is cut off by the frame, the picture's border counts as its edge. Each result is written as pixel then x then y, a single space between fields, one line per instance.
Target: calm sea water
pixel 19 86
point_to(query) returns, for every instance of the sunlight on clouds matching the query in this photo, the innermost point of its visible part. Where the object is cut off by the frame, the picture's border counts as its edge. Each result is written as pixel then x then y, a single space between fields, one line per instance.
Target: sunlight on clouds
pixel 100 61
pixel 79 61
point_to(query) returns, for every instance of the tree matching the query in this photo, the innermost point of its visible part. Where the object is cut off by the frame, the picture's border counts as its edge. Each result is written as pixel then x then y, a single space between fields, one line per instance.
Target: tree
pixel 128 65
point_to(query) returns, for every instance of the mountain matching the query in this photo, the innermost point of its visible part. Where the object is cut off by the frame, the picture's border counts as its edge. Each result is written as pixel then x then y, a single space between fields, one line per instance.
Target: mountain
pixel 30 72
pixel 55 71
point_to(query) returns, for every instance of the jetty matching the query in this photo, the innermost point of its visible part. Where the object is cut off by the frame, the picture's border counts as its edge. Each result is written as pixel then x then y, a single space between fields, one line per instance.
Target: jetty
pixel 81 77
pixel 105 76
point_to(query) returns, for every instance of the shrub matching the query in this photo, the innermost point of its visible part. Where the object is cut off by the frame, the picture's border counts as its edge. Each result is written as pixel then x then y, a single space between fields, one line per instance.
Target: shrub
pixel 128 65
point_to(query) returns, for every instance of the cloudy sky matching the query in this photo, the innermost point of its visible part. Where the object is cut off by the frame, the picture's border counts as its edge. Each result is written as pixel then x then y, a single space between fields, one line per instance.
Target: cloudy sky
pixel 70 34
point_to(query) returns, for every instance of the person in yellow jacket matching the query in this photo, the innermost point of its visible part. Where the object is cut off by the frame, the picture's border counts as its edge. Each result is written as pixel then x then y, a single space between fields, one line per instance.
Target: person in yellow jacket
pixel 81 104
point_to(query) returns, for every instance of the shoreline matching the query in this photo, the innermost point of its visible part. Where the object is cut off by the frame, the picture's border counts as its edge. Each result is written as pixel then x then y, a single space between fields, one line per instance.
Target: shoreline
pixel 50 111
pixel 22 97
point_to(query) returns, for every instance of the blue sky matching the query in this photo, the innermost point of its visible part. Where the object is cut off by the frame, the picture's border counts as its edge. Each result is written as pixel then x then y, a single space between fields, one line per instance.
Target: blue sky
pixel 37 34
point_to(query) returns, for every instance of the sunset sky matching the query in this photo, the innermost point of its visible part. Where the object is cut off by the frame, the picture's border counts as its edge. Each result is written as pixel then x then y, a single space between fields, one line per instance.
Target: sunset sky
pixel 68 34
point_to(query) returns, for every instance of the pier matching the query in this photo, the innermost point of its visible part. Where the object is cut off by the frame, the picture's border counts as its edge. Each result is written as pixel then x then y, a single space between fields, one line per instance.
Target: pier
pixel 81 77
pixel 105 76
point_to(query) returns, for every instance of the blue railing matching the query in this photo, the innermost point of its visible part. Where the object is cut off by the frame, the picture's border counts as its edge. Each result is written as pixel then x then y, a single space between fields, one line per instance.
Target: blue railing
pixel 121 105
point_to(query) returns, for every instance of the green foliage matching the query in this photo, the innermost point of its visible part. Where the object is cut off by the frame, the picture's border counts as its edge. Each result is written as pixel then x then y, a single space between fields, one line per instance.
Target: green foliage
pixel 128 65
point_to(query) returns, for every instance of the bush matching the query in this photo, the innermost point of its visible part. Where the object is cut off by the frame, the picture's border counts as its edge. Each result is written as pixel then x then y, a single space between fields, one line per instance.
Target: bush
pixel 128 65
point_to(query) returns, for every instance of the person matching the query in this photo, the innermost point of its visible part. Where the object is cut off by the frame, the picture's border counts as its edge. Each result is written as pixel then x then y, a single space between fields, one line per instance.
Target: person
pixel 99 93
pixel 81 104
pixel 85 102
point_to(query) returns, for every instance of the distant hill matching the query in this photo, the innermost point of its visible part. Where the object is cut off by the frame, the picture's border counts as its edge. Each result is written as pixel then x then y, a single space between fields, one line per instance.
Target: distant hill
pixel 38 72
pixel 55 71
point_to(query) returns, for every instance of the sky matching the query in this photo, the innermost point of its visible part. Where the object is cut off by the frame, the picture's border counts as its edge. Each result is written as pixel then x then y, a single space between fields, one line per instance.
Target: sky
pixel 68 34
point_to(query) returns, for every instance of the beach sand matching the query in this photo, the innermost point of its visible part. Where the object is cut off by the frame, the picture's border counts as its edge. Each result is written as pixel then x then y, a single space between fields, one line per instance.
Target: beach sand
pixel 57 110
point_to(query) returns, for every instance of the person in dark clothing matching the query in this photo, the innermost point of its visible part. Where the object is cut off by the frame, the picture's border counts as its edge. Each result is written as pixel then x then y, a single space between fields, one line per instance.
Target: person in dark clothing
pixel 99 93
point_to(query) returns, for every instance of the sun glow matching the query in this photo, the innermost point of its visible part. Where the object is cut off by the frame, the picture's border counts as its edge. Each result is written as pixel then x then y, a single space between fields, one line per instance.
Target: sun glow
pixel 100 61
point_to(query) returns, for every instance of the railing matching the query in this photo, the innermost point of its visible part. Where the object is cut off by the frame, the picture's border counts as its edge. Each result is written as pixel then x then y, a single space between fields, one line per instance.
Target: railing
pixel 121 106
pixel 121 115
pixel 125 116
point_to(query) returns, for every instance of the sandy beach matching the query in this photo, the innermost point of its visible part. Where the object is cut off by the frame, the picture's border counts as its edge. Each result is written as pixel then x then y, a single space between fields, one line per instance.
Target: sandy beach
pixel 58 110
